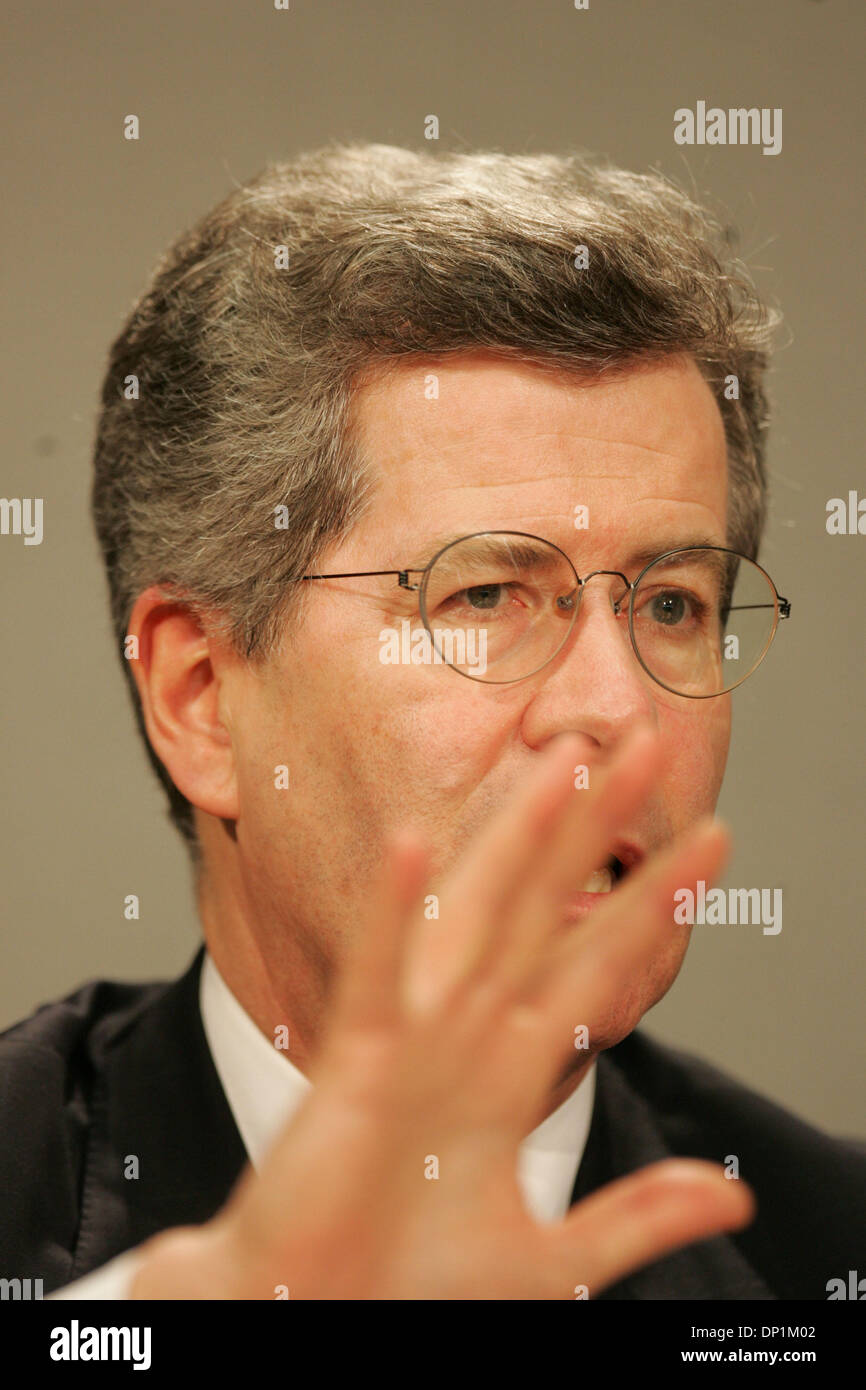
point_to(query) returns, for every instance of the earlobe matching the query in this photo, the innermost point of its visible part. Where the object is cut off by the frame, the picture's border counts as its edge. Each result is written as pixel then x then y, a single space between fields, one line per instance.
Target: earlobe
pixel 179 685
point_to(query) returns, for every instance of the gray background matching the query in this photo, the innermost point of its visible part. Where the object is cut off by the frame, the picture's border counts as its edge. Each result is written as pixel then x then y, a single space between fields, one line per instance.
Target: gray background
pixel 222 87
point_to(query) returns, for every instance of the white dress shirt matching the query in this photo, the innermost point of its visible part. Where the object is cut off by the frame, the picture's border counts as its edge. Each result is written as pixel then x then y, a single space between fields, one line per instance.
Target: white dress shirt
pixel 263 1089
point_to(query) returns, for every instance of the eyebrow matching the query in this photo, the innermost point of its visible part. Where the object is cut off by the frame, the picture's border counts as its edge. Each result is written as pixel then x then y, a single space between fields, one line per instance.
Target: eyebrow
pixel 636 558
pixel 646 553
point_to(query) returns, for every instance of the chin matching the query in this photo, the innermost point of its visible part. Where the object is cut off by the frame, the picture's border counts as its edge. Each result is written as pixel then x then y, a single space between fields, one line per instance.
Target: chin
pixel 630 1010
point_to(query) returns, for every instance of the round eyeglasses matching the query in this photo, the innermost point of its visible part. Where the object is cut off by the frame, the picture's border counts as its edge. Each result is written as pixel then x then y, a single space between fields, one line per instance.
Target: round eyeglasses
pixel 499 605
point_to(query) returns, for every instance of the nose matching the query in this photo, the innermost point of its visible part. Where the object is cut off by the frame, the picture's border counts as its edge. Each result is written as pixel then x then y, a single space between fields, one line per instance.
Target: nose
pixel 595 685
pixel 568 602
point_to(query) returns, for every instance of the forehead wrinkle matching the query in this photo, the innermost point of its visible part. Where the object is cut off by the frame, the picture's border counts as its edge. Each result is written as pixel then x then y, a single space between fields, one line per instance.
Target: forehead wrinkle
pixel 688 502
pixel 581 469
pixel 538 480
pixel 450 451
pixel 476 418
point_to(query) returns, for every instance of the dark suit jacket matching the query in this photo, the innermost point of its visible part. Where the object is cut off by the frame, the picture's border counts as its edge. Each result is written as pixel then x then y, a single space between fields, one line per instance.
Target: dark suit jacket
pixel 122 1069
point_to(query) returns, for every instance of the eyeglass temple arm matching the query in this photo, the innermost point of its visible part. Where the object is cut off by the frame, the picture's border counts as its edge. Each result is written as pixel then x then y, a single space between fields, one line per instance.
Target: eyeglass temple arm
pixel 403 576
pixel 784 607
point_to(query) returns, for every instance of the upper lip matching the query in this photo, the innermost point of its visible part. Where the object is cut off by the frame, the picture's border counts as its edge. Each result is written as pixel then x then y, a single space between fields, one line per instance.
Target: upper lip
pixel 628 854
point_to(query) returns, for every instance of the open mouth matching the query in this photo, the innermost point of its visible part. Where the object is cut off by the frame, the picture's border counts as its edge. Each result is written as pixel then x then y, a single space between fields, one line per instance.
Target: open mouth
pixel 612 872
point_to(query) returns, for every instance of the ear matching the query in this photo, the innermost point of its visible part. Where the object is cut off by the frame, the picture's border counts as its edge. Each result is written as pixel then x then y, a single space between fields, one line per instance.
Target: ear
pixel 178 684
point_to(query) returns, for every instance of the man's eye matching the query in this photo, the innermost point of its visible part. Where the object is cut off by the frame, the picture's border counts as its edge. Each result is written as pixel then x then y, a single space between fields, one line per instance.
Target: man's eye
pixel 491 598
pixel 669 609
pixel 483 595
pixel 672 608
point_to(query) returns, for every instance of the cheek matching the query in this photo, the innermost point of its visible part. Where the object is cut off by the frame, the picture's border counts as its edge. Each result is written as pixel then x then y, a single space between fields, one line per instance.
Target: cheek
pixel 368 753
pixel 441 753
pixel 267 769
pixel 695 739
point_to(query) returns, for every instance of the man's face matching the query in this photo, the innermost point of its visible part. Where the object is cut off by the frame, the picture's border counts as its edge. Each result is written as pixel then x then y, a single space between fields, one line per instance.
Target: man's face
pixel 371 747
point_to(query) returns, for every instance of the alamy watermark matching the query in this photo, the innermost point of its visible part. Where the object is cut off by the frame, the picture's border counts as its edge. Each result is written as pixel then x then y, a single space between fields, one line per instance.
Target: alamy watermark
pixel 77 1343
pixel 739 125
pixel 22 516
pixel 453 646
pixel 846 520
pixel 21 1290
pixel 736 906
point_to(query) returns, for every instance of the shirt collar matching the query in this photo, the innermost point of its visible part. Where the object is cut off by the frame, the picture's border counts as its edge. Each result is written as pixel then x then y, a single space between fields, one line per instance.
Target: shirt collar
pixel 263 1089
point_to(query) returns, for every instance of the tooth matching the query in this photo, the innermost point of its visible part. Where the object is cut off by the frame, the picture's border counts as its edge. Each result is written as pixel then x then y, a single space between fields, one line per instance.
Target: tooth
pixel 599 882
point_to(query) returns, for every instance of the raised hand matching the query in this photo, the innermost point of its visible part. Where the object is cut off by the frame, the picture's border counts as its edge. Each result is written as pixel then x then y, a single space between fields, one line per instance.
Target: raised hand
pixel 397 1177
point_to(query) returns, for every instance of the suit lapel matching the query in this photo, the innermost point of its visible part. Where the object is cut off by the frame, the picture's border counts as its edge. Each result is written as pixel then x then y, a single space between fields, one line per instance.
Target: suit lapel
pixel 156 1099
pixel 624 1136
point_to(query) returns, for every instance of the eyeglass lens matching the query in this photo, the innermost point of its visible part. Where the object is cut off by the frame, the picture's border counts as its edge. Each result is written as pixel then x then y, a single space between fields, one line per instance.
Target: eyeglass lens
pixel 499 606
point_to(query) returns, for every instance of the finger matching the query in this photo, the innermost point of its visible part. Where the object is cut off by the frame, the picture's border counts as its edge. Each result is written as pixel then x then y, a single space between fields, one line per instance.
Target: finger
pixel 578 844
pixel 599 968
pixel 369 983
pixel 550 835
pixel 445 949
pixel 638 1219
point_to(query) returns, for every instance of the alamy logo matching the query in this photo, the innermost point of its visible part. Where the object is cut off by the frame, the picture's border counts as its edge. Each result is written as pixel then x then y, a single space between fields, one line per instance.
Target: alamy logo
pixel 856 1288
pixel 20 1290
pixel 739 125
pixel 22 516
pixel 76 1343
pixel 452 646
pixel 717 908
pixel 846 521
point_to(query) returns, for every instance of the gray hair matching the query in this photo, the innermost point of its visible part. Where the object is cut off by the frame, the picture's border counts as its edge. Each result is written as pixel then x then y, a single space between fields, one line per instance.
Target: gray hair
pixel 247 370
